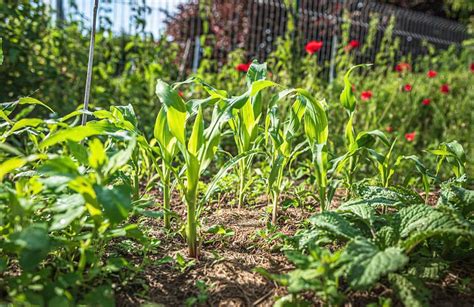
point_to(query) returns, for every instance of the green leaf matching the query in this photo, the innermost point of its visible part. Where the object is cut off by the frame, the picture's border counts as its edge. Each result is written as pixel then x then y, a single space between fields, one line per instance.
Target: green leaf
pixel 34 243
pixel 256 72
pixel 68 208
pixel 428 268
pixel 177 123
pixel 169 97
pixel 367 139
pixel 163 135
pixel 176 109
pixel 115 200
pixel 410 290
pixel 10 165
pixel 392 196
pixel 127 112
pixel 336 224
pixel 97 154
pixel 25 122
pixel 366 263
pixel 197 135
pixel 361 210
pixel 315 118
pixel 457 197
pixel 78 151
pixel 121 158
pixel 33 101
pixel 420 222
pixel 62 166
pixel 79 133
pixel 347 97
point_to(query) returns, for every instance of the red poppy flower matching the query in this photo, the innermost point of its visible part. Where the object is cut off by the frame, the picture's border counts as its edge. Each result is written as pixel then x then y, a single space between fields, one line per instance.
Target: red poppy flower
pixel 243 67
pixel 354 43
pixel 444 89
pixel 402 67
pixel 407 87
pixel 426 102
pixel 313 46
pixel 366 95
pixel 389 129
pixel 472 67
pixel 410 137
pixel 432 73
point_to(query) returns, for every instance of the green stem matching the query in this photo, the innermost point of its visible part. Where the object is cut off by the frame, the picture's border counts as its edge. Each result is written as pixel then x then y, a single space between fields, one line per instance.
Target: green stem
pixel 242 183
pixel 191 226
pixel 276 196
pixel 166 198
pixel 322 197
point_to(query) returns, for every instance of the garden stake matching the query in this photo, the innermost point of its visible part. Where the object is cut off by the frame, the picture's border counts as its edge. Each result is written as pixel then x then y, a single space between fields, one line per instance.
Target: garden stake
pixel 89 64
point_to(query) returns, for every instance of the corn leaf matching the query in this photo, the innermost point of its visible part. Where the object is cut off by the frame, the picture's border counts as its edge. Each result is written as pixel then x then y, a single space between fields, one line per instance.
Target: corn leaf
pixel 197 135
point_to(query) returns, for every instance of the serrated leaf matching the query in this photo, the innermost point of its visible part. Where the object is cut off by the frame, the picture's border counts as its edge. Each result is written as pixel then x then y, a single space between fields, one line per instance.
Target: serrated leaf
pixel 457 197
pixel 410 290
pixel 335 224
pixel 361 210
pixel 366 263
pixel 392 196
pixel 420 222
pixel 428 268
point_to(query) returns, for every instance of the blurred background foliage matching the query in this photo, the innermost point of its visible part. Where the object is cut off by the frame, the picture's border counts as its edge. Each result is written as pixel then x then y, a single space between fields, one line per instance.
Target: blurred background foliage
pixel 49 62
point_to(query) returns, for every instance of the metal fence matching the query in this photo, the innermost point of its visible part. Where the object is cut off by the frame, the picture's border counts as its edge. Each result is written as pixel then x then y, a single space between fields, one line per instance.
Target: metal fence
pixel 255 25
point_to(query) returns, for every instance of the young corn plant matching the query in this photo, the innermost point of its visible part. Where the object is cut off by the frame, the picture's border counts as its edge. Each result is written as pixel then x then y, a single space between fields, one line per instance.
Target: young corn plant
pixel 167 151
pixel 452 153
pixel 245 124
pixel 199 148
pixel 307 112
pixel 355 143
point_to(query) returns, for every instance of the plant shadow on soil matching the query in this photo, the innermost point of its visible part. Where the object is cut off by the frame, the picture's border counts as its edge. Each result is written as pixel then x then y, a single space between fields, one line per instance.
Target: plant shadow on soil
pixel 227 264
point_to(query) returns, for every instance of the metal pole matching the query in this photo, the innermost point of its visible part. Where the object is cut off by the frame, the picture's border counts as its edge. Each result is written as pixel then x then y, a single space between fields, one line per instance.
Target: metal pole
pixel 89 65
pixel 59 12
pixel 332 68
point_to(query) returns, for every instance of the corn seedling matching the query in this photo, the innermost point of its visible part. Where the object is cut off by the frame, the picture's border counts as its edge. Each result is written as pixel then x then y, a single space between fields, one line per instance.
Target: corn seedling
pixel 305 111
pixel 200 148
pixel 245 123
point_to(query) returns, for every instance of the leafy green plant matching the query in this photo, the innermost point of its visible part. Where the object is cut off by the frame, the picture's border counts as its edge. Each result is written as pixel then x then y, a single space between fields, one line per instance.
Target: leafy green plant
pixel 63 200
pixel 404 247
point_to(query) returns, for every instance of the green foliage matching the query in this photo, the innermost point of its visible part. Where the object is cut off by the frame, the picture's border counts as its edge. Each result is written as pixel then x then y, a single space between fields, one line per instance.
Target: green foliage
pixel 63 202
pixel 70 194
pixel 403 247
